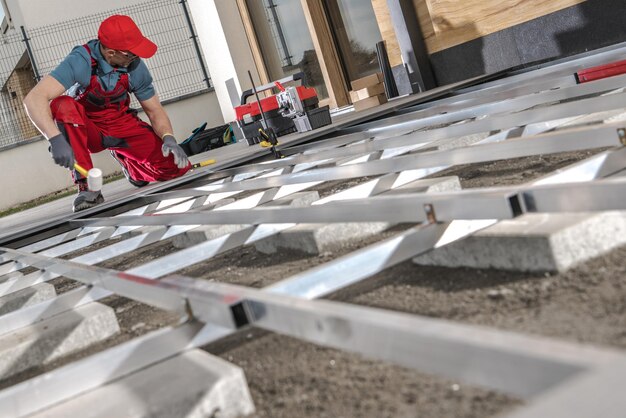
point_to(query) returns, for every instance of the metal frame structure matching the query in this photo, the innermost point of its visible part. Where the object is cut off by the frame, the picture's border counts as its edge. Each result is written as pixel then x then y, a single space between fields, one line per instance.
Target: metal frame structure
pixel 516 116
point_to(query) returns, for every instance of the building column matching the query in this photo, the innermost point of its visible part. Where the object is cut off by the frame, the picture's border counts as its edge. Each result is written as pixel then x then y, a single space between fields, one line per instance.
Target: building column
pixel 221 33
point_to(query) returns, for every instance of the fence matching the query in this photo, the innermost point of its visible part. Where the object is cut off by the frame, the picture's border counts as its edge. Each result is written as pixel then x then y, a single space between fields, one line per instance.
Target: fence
pixel 178 67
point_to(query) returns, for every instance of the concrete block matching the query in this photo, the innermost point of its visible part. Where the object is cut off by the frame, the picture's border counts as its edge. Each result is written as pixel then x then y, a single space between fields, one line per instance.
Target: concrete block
pixel 463 141
pixel 129 232
pixel 535 243
pixel 26 297
pixel 209 232
pixel 316 238
pixel 55 337
pixel 10 276
pixel 192 384
pixel 204 233
pixel 436 185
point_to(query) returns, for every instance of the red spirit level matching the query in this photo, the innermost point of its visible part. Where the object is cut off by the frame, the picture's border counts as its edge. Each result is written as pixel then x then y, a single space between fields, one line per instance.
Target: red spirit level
pixel 601 71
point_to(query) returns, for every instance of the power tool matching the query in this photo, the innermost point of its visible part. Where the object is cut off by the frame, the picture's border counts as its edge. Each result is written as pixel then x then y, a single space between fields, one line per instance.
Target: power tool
pixel 292 109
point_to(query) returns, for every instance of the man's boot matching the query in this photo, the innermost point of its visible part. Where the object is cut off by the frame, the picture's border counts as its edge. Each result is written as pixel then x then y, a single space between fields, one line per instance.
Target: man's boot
pixel 86 198
pixel 136 183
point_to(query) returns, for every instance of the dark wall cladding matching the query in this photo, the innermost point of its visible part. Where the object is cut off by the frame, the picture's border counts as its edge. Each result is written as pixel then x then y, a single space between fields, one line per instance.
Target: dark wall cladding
pixel 590 25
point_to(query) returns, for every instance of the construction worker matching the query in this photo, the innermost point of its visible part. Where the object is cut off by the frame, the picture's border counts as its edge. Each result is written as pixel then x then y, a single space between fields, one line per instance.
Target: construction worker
pixel 95 115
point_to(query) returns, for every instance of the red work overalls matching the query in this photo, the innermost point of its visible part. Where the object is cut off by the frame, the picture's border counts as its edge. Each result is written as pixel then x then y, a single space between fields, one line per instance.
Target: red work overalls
pixel 99 120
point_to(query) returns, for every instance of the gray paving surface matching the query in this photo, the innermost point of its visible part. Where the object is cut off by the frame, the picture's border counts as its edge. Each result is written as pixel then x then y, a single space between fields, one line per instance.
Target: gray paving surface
pixel 26 297
pixel 56 337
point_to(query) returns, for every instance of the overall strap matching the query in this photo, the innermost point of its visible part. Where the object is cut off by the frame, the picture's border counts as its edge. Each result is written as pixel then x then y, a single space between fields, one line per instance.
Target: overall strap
pixel 94 63
pixel 97 96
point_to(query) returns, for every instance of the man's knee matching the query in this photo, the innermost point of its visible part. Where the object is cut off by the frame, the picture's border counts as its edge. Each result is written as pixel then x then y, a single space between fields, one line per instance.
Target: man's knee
pixel 67 110
pixel 170 171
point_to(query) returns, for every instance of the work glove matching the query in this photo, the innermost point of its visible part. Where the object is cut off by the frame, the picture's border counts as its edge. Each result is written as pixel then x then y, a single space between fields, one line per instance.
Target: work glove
pixel 171 146
pixel 61 151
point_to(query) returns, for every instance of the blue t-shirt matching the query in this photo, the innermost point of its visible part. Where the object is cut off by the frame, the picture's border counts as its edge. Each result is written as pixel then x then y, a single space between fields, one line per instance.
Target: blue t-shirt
pixel 75 70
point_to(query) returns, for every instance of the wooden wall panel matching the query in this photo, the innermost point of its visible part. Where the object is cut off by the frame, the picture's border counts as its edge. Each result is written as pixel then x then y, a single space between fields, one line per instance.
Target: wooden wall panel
pixel 383 17
pixel 326 52
pixel 253 41
pixel 446 23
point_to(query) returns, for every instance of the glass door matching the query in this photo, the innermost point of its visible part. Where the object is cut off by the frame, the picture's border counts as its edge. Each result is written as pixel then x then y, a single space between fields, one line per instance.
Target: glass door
pixel 285 41
pixel 356 33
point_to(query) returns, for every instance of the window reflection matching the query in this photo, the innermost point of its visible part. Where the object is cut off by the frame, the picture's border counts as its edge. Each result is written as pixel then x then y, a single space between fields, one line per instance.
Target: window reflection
pixel 285 41
pixel 356 32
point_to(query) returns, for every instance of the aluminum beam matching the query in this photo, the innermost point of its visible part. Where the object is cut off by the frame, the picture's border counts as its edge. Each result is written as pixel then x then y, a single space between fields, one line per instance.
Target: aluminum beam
pixel 124 359
pixel 490 203
pixel 503 102
pixel 593 394
pixel 521 366
pixel 133 243
pixel 181 259
pixel 493 123
pixel 553 70
pixel 154 293
pixel 268 311
pixel 561 141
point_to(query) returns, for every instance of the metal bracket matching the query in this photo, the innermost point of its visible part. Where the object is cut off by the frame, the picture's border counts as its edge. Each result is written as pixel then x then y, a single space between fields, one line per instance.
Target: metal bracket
pixel 621 133
pixel 431 217
pixel 240 314
pixel 519 204
pixel 190 315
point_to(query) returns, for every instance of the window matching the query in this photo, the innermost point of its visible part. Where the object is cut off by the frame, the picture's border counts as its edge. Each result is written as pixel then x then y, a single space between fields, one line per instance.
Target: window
pixel 285 41
pixel 356 34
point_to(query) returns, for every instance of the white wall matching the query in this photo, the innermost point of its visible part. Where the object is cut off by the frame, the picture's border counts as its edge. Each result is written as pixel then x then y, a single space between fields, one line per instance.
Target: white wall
pixel 227 52
pixel 28 172
pixel 13 9
pixel 35 13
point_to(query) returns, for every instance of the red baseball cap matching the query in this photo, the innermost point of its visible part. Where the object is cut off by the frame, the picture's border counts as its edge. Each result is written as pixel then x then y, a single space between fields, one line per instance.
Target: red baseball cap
pixel 120 32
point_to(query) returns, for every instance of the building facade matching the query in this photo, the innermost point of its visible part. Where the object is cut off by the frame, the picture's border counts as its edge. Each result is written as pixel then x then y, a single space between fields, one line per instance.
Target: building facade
pixel 429 42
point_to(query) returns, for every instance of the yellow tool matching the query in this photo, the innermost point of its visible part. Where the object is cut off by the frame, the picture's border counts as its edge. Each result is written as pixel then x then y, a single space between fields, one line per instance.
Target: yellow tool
pixel 270 141
pixel 267 139
pixel 81 170
pixel 203 163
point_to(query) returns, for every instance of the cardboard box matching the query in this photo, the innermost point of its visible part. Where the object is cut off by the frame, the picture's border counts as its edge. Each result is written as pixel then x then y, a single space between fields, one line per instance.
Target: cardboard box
pixel 370 80
pixel 370 102
pixel 371 91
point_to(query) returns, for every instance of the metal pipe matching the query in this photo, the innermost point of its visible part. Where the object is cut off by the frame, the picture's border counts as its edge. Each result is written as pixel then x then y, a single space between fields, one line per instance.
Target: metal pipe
pixel 281 35
pixel 194 38
pixel 391 90
pixel 26 40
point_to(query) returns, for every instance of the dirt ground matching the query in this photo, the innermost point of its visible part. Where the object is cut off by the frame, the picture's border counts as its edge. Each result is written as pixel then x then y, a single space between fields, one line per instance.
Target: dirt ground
pixel 289 378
